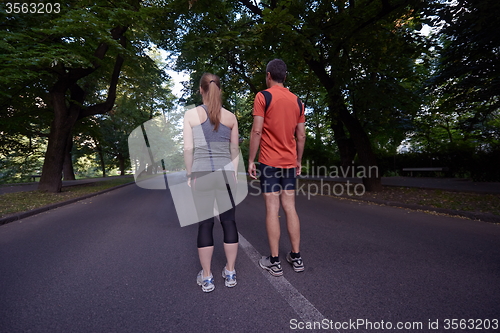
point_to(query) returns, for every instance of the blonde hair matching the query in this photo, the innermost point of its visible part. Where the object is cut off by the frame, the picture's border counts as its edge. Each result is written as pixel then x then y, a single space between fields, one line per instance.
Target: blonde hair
pixel 212 98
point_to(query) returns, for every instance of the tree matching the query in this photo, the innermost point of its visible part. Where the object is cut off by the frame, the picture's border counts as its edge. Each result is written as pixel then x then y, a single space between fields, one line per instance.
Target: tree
pixel 23 137
pixel 351 51
pixel 68 55
pixel 469 65
pixel 139 99
pixel 466 82
pixel 458 127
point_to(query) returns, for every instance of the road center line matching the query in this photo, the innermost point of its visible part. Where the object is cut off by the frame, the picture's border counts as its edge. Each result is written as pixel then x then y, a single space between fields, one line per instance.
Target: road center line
pixel 306 311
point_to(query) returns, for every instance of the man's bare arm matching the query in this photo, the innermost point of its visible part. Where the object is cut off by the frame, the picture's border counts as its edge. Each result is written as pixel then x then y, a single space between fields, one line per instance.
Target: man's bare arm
pixel 255 137
pixel 300 134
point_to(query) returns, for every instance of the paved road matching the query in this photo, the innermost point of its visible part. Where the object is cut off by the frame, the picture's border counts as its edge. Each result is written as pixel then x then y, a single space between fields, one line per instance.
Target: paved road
pixel 450 184
pixel 119 262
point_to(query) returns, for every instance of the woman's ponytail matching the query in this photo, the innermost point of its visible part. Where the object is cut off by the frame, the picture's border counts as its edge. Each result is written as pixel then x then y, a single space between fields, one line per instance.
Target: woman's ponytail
pixel 210 84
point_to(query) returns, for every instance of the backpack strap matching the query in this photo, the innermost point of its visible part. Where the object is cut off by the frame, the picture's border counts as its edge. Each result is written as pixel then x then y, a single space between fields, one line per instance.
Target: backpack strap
pixel 268 97
pixel 299 102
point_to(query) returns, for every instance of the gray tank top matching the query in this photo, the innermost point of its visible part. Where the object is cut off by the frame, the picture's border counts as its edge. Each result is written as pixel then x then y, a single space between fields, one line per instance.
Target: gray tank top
pixel 211 148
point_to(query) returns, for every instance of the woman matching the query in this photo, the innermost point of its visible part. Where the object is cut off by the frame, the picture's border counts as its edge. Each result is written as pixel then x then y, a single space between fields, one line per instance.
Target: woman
pixel 212 132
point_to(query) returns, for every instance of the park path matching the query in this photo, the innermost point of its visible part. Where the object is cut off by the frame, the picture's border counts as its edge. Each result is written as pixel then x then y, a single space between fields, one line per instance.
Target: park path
pixel 450 184
pixel 120 262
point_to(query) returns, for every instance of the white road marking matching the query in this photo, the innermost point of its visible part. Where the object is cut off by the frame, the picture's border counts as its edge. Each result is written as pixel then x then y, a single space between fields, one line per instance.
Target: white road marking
pixel 306 311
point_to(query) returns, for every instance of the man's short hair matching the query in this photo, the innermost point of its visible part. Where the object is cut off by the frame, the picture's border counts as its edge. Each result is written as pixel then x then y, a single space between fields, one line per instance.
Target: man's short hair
pixel 277 68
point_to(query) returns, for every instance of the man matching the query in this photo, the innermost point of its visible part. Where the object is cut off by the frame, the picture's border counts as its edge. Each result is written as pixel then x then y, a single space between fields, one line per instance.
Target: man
pixel 278 128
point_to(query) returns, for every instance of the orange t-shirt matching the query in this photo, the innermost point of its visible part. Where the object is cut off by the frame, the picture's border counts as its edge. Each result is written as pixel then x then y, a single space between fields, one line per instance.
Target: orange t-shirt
pixel 278 147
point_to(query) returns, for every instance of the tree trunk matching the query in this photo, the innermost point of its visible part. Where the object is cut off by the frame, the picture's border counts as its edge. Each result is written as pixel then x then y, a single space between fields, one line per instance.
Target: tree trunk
pixel 50 180
pixel 66 116
pixel 68 171
pixel 60 130
pixel 346 147
pixel 121 163
pixel 363 146
pixel 101 160
pixel 358 141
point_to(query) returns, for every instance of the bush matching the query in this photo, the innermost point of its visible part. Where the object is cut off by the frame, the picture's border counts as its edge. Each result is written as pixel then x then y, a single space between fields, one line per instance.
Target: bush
pixel 480 166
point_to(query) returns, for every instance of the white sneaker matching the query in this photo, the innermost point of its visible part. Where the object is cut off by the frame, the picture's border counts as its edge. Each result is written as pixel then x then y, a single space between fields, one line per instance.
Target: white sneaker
pixel 273 269
pixel 207 284
pixel 297 263
pixel 229 277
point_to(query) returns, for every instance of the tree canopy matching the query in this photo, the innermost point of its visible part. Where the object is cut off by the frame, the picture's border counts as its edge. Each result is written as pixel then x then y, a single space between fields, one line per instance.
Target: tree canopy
pixel 72 62
pixel 73 83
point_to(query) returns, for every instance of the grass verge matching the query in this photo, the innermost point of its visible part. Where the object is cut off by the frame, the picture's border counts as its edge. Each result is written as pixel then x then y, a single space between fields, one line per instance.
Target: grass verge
pixel 11 203
pixel 457 201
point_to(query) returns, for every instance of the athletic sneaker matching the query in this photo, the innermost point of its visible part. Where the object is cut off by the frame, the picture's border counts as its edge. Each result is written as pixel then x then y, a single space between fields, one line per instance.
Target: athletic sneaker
pixel 229 277
pixel 297 263
pixel 273 269
pixel 207 284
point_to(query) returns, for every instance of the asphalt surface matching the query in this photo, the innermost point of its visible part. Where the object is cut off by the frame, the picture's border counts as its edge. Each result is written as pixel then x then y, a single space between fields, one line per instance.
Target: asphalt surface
pixel 451 184
pixel 120 262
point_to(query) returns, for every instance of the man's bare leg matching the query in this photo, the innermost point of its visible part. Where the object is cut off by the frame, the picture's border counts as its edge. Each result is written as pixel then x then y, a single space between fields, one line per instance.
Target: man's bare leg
pixel 292 219
pixel 272 201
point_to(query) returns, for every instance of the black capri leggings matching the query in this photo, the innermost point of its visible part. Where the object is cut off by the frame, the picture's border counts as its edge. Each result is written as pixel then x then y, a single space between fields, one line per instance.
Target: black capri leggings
pixel 206 188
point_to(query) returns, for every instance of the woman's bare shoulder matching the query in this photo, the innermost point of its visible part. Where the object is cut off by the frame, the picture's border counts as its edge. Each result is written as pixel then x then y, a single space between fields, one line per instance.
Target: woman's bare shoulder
pixel 193 116
pixel 190 112
pixel 228 115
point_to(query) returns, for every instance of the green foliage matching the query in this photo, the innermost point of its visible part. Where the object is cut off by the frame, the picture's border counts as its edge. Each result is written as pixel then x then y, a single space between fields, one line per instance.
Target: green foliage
pixel 468 72
pixel 459 125
pixel 142 95
pixel 20 157
pixel 37 50
pixel 365 51
pixel 365 56
pixel 35 46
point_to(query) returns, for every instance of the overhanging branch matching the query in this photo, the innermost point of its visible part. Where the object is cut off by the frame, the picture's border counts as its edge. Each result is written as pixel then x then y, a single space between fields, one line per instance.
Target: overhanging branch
pixel 253 8
pixel 106 106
